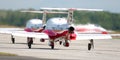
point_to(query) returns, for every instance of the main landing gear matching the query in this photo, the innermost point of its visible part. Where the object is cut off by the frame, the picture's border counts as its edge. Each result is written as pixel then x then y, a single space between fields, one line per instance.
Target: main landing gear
pixel 12 39
pixel 29 42
pixel 51 44
pixel 91 44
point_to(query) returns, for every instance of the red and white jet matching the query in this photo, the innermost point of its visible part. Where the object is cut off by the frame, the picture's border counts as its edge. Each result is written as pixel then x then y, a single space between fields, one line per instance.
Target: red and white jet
pixel 60 29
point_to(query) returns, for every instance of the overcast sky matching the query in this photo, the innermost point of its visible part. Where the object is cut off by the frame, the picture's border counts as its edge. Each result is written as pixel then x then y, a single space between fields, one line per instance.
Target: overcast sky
pixel 108 5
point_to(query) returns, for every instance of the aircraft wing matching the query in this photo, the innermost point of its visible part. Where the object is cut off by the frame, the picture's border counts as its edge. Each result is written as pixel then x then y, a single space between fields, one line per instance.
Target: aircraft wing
pixel 93 36
pixel 30 34
pixel 9 30
pixel 22 33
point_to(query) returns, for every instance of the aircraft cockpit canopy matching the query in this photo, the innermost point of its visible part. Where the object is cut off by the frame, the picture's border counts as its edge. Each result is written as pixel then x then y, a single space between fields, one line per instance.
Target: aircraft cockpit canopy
pixel 57 24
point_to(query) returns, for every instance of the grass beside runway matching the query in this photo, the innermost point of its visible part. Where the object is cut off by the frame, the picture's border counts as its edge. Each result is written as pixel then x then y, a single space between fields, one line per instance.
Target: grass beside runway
pixel 115 32
pixel 7 54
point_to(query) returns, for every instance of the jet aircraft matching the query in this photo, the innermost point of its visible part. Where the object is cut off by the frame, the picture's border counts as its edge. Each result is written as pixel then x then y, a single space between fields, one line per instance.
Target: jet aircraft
pixel 60 29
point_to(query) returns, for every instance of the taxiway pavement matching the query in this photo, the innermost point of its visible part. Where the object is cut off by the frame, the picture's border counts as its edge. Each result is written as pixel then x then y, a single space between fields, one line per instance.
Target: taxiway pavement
pixel 104 49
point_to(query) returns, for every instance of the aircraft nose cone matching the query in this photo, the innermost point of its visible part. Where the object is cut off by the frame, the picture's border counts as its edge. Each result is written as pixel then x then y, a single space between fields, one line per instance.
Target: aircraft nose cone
pixel 73 36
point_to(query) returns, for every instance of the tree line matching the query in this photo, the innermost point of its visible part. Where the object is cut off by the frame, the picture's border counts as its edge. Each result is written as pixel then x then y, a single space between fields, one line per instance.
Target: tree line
pixel 105 19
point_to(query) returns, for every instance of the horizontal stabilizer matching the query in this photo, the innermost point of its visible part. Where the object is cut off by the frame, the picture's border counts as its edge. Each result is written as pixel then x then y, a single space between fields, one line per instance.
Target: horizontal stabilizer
pixel 54 12
pixel 80 9
pixel 33 11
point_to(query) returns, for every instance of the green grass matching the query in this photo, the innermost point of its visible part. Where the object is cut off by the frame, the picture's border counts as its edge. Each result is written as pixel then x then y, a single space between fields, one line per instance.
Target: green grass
pixel 7 54
pixel 116 32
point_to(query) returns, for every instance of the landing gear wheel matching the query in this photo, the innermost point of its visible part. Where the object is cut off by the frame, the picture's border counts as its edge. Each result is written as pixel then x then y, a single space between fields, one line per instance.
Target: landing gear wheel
pixel 13 40
pixel 89 46
pixel 30 42
pixel 29 45
pixel 60 42
pixel 52 45
pixel 66 44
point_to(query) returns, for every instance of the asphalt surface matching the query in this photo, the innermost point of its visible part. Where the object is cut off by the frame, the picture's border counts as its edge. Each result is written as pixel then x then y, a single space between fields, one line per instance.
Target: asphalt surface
pixel 21 58
pixel 103 50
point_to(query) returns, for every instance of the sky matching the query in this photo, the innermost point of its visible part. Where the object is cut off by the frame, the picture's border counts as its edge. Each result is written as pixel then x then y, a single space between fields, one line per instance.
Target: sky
pixel 106 5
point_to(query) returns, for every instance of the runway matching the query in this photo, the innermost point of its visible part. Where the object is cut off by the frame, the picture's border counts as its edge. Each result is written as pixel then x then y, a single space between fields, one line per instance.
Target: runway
pixel 104 49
